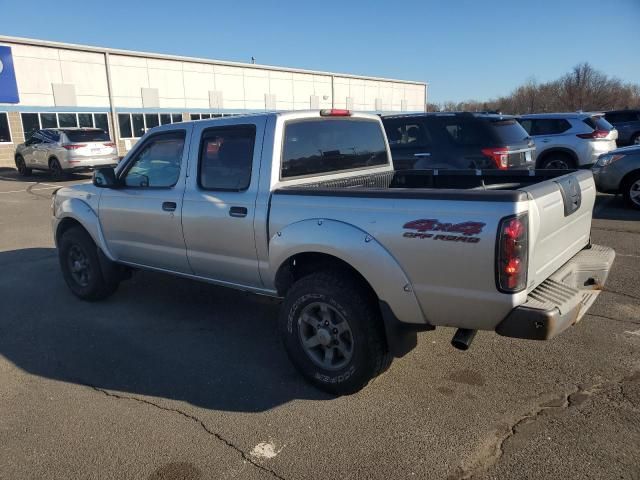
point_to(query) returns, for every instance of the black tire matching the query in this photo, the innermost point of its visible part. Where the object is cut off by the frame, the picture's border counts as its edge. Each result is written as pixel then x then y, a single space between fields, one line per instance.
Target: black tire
pixel 348 299
pixel 635 139
pixel 77 250
pixel 56 169
pixel 21 166
pixel 558 161
pixel 630 185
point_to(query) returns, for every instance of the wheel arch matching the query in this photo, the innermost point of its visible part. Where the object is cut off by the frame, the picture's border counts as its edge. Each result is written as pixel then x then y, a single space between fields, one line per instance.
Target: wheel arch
pixel 74 212
pixel 562 150
pixel 627 177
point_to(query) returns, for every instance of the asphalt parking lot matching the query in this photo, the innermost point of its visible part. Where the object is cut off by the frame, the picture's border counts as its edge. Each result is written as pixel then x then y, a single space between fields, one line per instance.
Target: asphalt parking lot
pixel 172 379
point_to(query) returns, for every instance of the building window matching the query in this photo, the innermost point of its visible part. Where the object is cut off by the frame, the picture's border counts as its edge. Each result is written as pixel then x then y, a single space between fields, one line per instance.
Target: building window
pixel 35 121
pixel 5 131
pixel 135 125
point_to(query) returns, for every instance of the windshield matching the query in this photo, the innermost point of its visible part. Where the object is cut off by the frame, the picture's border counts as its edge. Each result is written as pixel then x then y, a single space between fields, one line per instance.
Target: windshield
pixel 75 136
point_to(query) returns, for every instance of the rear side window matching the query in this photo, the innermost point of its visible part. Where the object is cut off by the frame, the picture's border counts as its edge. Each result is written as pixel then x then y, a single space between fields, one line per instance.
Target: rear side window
pixel 550 126
pixel 465 132
pixel 406 133
pixel 79 136
pixel 331 145
pixel 226 158
pixel 598 123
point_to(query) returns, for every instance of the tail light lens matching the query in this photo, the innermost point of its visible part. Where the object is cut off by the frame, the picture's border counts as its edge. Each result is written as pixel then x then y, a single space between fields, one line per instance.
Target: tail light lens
pixel 512 253
pixel 594 135
pixel 74 146
pixel 500 156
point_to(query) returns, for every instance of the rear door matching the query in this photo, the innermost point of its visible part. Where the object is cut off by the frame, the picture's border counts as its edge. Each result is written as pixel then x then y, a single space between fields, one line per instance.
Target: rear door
pixel 141 221
pixel 560 222
pixel 220 201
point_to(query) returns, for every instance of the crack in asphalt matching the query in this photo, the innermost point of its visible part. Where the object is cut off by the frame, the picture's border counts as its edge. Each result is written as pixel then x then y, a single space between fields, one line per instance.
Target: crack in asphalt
pixel 491 454
pixel 634 232
pixel 613 319
pixel 605 289
pixel 192 418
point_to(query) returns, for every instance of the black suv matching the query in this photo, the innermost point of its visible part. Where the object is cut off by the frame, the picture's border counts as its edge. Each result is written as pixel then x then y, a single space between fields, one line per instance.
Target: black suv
pixel 458 140
pixel 627 122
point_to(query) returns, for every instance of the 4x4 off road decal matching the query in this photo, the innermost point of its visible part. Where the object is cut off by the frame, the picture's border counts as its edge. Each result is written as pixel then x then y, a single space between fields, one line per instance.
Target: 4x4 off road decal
pixel 452 232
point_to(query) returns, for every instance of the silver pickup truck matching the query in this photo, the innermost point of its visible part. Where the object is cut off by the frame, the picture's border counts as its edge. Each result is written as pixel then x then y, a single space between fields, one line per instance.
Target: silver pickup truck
pixel 306 206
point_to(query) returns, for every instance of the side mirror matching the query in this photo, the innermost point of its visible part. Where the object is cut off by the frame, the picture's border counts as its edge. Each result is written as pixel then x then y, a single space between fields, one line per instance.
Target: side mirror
pixel 105 177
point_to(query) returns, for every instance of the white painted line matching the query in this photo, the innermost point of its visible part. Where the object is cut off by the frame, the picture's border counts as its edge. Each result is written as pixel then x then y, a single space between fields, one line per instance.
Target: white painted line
pixel 637 333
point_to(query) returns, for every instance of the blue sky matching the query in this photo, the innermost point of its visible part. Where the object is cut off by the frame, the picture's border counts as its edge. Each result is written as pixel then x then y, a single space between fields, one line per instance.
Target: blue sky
pixel 465 49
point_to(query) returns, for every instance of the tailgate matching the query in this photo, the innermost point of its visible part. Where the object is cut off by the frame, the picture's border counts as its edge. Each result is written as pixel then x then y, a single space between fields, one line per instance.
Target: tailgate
pixel 560 222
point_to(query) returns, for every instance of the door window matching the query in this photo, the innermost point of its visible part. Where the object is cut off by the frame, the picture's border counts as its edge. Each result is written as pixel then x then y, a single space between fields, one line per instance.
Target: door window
pixel 409 134
pixel 226 157
pixel 157 165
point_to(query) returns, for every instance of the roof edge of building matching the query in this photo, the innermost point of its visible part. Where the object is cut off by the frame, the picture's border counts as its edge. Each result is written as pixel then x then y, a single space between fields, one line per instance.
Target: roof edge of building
pixel 162 56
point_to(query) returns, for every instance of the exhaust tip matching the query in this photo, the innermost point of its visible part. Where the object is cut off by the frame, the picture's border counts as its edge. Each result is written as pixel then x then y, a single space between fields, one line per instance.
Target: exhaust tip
pixel 462 338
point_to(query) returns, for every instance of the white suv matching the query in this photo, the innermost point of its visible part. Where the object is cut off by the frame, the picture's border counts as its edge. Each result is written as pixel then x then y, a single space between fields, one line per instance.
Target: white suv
pixel 569 140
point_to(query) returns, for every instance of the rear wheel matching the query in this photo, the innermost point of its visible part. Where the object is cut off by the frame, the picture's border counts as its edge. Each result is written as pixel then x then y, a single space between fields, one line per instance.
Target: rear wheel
pixel 558 161
pixel 631 190
pixel 56 169
pixel 332 331
pixel 81 266
pixel 21 166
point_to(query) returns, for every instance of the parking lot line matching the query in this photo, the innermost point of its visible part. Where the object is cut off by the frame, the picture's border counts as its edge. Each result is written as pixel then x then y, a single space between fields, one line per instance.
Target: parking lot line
pixel 31 190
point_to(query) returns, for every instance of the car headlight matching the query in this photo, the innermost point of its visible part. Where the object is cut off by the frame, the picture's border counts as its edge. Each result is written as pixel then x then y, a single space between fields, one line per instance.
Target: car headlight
pixel 608 159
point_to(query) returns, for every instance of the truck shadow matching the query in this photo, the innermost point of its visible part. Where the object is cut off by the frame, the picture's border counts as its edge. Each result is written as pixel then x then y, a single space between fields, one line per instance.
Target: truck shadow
pixel 158 336
pixel 613 207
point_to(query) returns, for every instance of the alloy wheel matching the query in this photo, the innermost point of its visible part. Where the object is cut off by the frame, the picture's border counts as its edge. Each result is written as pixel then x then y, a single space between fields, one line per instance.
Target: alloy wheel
pixel 79 265
pixel 634 192
pixel 325 336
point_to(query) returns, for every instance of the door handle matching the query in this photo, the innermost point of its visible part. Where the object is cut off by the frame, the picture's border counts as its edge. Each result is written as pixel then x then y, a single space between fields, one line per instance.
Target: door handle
pixel 169 206
pixel 238 212
pixel 421 154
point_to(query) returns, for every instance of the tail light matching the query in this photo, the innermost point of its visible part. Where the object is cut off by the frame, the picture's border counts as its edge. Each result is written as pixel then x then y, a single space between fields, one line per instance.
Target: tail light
pixel 512 253
pixel 594 135
pixel 109 144
pixel 74 146
pixel 500 156
pixel 335 112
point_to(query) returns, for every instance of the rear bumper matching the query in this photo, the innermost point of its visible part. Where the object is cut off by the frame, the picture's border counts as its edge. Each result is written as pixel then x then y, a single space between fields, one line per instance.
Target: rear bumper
pixel 561 300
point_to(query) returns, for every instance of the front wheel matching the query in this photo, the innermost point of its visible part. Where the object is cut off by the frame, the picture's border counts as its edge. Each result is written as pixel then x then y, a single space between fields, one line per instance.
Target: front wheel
pixel 332 331
pixel 81 266
pixel 631 191
pixel 21 166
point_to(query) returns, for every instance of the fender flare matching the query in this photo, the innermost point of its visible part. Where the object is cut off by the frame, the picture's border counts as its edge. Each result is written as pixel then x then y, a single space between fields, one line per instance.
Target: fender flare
pixel 358 249
pixel 81 212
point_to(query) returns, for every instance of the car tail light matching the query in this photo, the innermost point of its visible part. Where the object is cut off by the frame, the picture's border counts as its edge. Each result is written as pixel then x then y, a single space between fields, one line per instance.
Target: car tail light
pixel 594 135
pixel 512 253
pixel 335 112
pixel 109 144
pixel 74 146
pixel 500 156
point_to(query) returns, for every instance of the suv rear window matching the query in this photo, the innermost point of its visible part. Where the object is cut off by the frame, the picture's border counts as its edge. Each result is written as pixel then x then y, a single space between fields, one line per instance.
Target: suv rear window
pixel 331 145
pixel 463 131
pixel 598 123
pixel 87 136
pixel 509 131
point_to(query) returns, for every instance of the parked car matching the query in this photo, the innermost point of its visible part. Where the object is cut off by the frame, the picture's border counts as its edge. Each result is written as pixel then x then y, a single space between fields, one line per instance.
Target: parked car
pixel 569 140
pixel 458 140
pixel 306 206
pixel 65 150
pixel 627 122
pixel 619 172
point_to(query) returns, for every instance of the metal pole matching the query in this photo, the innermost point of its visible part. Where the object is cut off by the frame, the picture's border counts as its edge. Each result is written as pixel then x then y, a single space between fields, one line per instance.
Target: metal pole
pixel 112 107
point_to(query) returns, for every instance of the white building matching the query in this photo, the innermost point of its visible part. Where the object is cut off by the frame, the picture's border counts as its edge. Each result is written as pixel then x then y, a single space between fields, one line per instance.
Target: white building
pixel 75 85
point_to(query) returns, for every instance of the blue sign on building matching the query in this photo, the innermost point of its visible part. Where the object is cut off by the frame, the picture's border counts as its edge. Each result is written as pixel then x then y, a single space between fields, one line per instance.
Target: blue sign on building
pixel 8 85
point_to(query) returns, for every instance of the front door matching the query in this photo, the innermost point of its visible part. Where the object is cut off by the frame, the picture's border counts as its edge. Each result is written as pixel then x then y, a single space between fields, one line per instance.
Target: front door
pixel 219 204
pixel 410 143
pixel 141 221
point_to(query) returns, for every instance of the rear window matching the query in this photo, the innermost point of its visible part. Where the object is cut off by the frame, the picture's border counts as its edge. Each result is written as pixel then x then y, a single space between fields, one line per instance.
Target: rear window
pixel 598 123
pixel 465 132
pixel 509 131
pixel 331 145
pixel 76 136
